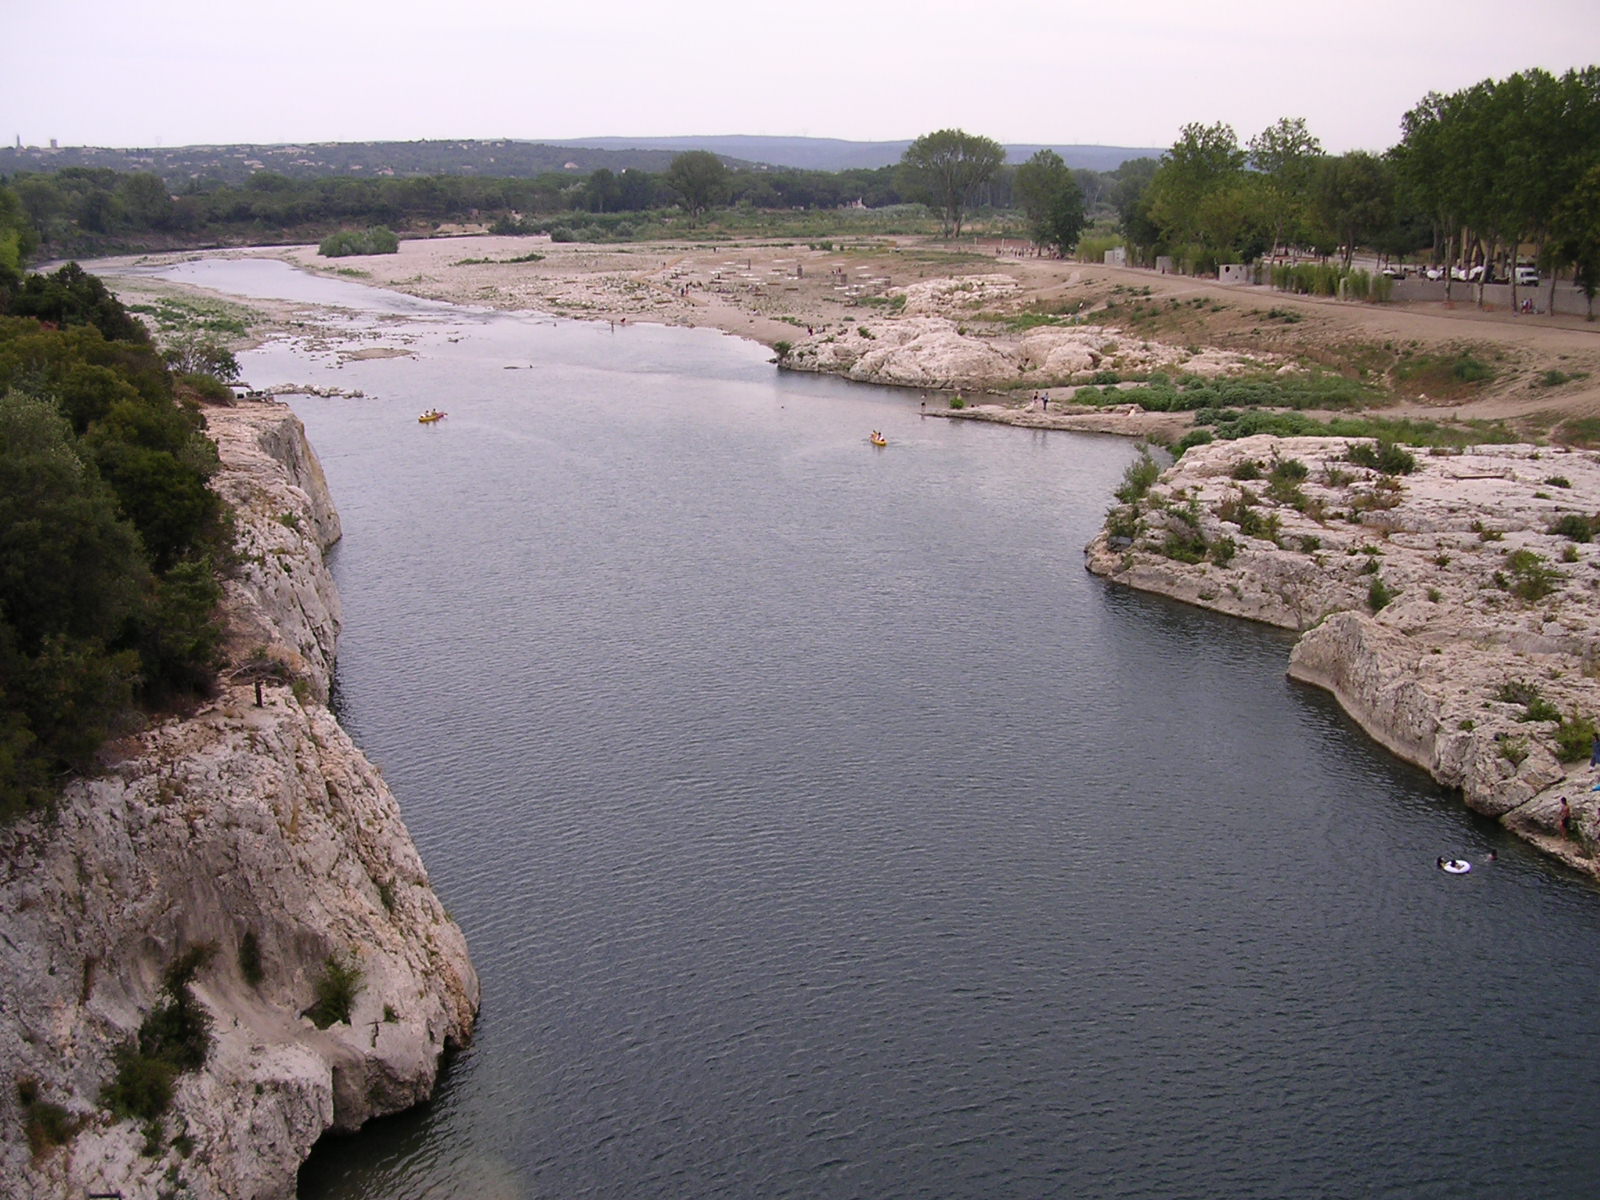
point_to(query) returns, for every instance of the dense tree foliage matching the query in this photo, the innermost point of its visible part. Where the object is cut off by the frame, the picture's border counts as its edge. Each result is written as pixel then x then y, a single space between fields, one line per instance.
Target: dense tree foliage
pixel 1285 153
pixel 79 210
pixel 944 169
pixel 109 534
pixel 698 179
pixel 1051 198
pixel 1479 176
pixel 1352 198
pixel 1494 164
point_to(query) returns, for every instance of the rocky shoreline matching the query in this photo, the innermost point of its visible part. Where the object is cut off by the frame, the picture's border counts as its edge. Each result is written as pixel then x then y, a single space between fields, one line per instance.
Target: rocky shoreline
pixel 1452 606
pixel 254 827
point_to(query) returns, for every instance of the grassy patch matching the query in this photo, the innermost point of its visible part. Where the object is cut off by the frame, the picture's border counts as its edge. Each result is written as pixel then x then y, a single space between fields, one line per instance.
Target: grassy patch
pixel 171 315
pixel 530 257
pixel 1442 376
pixel 1229 424
pixel 1583 432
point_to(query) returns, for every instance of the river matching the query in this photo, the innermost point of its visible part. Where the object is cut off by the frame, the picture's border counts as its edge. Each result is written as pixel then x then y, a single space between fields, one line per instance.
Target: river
pixel 821 828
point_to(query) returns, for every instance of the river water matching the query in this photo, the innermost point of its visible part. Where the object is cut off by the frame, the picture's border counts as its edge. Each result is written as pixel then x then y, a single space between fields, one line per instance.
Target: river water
pixel 822 829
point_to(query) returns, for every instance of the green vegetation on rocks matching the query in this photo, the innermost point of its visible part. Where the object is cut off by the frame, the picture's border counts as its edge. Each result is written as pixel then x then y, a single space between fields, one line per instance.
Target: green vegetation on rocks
pixel 110 537
pixel 174 1037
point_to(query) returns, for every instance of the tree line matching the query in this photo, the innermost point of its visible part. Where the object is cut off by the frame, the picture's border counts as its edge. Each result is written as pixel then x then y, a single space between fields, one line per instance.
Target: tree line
pixel 79 210
pixel 1480 177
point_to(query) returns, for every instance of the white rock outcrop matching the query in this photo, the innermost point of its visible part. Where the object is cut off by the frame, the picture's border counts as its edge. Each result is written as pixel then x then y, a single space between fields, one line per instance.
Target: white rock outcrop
pixel 946 336
pixel 261 831
pixel 1437 605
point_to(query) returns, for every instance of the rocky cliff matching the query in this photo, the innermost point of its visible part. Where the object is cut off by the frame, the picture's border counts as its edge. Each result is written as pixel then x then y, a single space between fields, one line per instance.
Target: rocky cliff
pixel 259 831
pixel 1451 603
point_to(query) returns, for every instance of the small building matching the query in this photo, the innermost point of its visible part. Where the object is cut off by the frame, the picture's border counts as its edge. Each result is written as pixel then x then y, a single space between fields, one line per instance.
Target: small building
pixel 1164 265
pixel 1233 273
pixel 1117 256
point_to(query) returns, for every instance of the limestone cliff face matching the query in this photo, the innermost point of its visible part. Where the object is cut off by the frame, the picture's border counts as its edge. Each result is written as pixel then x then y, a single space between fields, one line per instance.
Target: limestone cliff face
pixel 1435 605
pixel 241 823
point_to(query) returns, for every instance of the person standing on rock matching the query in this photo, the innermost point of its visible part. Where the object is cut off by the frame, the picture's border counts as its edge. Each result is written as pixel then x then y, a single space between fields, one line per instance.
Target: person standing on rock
pixel 1594 752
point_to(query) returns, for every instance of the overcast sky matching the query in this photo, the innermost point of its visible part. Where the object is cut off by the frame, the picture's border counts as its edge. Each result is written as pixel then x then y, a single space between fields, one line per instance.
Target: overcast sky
pixel 1111 72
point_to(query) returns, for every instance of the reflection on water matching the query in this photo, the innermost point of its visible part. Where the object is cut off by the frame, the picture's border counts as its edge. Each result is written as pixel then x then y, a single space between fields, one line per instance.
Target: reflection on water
pixel 821 828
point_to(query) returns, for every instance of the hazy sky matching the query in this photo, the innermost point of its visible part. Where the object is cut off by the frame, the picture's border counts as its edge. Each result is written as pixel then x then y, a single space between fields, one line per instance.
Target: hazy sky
pixel 1112 72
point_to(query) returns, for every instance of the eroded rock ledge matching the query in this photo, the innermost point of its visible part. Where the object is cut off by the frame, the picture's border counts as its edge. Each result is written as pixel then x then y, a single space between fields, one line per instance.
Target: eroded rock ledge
pixel 1427 601
pixel 239 822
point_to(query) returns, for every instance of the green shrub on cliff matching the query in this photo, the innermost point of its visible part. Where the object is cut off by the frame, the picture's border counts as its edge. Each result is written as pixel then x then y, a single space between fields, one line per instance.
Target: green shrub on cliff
pixel 336 990
pixel 1574 739
pixel 1138 478
pixel 174 1037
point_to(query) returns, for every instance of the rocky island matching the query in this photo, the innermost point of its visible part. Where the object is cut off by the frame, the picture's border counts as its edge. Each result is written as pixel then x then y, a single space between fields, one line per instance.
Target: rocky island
pixel 243 869
pixel 1449 599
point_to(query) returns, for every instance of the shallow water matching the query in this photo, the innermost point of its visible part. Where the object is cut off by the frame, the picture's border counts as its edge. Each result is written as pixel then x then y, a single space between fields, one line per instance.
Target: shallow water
pixel 821 828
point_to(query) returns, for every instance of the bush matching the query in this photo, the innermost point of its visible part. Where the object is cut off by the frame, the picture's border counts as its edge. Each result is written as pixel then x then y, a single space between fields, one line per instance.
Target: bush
pixel 1514 750
pixel 373 240
pixel 1517 691
pixel 1382 456
pixel 1379 595
pixel 1140 475
pixel 1123 521
pixel 1574 526
pixel 141 1089
pixel 1184 547
pixel 174 1037
pixel 46 1125
pixel 336 991
pixel 1574 739
pixel 1532 577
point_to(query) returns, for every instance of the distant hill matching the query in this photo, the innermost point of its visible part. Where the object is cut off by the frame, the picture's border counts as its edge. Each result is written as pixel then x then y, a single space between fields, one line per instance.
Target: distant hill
pixel 836 154
pixel 504 158
pixel 501 157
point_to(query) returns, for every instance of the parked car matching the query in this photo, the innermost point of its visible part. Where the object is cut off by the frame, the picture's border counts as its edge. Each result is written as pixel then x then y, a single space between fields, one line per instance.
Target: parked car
pixel 1527 277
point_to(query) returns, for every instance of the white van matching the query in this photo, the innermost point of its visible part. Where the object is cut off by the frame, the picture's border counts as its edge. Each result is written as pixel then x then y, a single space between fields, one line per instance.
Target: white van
pixel 1527 277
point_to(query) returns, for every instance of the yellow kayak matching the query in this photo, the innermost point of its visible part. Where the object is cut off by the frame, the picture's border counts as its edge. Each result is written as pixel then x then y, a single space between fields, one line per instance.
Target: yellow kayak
pixel 431 416
pixel 879 440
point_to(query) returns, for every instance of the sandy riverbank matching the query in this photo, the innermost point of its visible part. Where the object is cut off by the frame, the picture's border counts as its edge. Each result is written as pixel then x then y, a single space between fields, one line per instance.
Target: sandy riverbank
pixel 937 317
